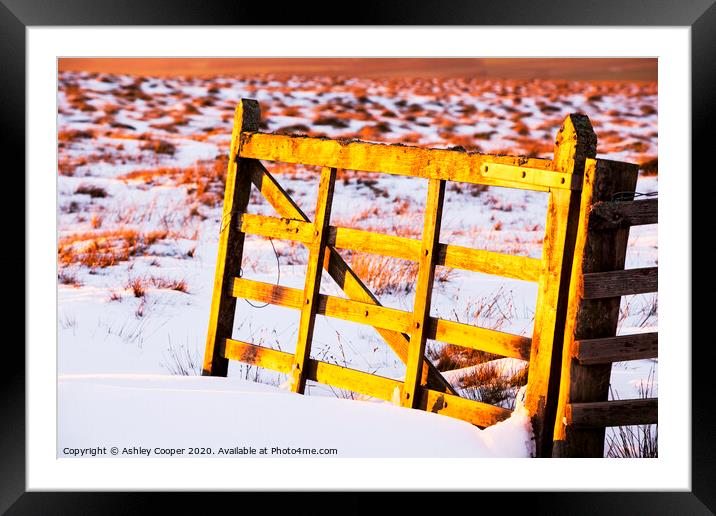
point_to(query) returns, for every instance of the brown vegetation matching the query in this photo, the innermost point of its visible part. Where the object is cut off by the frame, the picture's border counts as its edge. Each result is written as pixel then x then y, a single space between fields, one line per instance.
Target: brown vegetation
pixel 105 248
pixel 139 285
pixel 94 191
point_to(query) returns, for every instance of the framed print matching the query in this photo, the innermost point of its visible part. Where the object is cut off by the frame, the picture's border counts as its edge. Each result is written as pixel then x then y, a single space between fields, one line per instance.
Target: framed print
pixel 269 262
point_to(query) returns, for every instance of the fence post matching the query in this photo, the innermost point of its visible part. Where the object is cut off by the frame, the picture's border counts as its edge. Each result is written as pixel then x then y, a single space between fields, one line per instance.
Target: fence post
pixel 231 241
pixel 423 293
pixel 312 286
pixel 596 250
pixel 575 143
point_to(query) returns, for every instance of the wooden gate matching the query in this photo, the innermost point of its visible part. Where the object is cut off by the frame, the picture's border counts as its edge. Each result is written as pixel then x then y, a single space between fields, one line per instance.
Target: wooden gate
pixel 405 332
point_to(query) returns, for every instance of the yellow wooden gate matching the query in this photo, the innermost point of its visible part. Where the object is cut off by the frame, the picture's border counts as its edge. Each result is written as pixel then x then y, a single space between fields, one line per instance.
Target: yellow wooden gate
pixel 405 332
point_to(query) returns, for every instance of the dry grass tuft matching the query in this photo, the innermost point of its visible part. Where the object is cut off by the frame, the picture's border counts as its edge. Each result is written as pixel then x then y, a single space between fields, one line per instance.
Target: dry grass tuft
pixel 149 176
pixel 492 312
pixel 67 278
pixel 387 275
pixel 140 284
pixel 332 121
pixel 105 248
pixel 181 361
pixel 638 441
pixel 294 129
pixel 159 147
pixel 72 135
pixel 650 167
pixel 449 357
pixel 94 191
pixel 137 286
pixel 205 181
pixel 115 296
pixel 488 383
pixel 179 285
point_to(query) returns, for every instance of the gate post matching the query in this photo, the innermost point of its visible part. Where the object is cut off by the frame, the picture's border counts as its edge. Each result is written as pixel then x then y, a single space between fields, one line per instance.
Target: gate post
pixel 575 143
pixel 596 250
pixel 231 242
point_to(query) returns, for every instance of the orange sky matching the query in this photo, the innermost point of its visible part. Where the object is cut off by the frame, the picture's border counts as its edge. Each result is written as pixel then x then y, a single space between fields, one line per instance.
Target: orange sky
pixel 633 69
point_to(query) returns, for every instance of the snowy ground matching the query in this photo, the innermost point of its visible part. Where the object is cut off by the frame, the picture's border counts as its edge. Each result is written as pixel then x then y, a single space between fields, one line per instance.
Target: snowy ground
pixel 227 417
pixel 140 191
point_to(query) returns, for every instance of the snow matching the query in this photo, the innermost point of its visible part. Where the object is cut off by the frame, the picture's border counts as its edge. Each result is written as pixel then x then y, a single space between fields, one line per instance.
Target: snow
pixel 163 413
pixel 110 338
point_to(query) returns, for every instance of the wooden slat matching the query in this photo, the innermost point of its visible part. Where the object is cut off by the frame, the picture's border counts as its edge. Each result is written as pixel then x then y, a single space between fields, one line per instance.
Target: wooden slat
pixel 309 304
pixel 273 227
pixel 601 414
pixel 331 306
pixel 231 242
pixel 612 215
pixel 453 165
pixel 531 176
pixel 364 313
pixel 488 262
pixel 621 283
pixel 267 293
pixel 423 292
pixel 258 355
pixel 575 143
pixel 475 412
pixel 369 242
pixel 339 270
pixel 353 380
pixel 617 349
pixel 317 371
pixel 474 337
pixel 454 256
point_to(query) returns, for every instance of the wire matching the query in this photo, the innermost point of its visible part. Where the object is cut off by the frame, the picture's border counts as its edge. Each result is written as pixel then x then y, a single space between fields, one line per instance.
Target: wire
pixel 628 196
pixel 224 224
pixel 278 276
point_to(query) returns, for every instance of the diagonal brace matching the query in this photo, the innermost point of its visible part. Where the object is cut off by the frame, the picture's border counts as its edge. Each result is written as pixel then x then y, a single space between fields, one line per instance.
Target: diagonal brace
pixel 341 272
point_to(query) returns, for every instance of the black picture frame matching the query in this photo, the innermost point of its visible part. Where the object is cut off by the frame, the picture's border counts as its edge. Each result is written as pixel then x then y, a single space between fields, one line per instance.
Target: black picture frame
pixel 17 15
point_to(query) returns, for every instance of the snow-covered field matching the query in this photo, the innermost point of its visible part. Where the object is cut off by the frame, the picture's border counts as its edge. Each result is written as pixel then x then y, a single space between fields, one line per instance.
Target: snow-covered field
pixel 165 416
pixel 140 185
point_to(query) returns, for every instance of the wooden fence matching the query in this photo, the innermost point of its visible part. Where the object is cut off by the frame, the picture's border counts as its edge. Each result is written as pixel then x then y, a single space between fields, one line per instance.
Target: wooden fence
pixel 597 284
pixel 405 332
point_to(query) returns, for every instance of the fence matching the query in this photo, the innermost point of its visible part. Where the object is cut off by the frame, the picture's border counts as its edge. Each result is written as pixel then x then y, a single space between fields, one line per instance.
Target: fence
pixel 597 284
pixel 405 332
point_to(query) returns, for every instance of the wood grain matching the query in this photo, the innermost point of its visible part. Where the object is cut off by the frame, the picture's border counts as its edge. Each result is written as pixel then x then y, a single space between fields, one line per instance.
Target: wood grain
pixel 621 283
pixel 639 346
pixel 613 215
pixel 272 227
pixel 613 413
pixel 453 165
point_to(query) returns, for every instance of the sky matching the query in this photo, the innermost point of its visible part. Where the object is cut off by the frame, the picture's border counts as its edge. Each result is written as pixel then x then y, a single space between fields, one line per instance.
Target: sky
pixel 600 69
